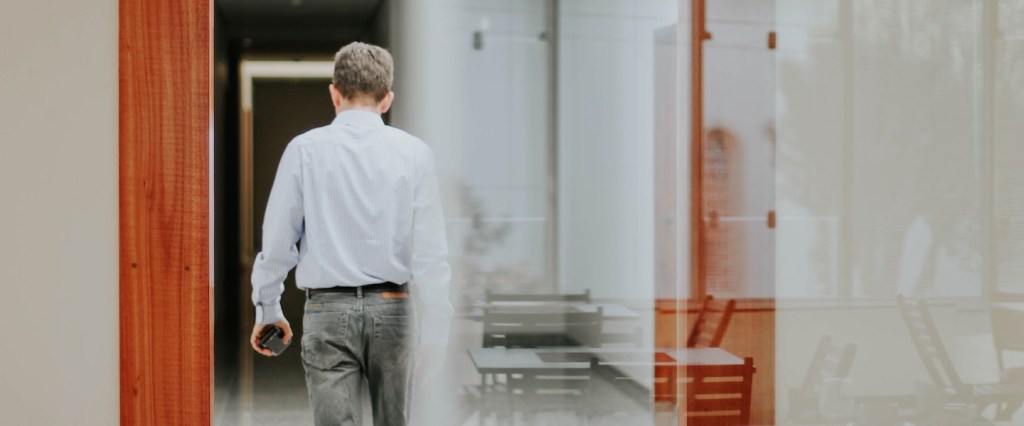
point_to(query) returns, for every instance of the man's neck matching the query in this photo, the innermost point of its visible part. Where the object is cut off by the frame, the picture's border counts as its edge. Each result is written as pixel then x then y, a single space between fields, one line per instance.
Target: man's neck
pixel 368 108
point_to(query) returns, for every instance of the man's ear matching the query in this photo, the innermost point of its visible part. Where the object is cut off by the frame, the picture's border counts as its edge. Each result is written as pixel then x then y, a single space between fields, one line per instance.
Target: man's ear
pixel 335 97
pixel 385 104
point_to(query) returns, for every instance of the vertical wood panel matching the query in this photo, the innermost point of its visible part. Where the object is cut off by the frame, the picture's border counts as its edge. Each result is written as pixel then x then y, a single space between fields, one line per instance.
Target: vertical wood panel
pixel 165 105
pixel 698 34
pixel 752 330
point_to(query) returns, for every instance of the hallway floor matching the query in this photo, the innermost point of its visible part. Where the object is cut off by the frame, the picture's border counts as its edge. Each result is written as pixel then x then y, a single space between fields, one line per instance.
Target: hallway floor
pixel 279 398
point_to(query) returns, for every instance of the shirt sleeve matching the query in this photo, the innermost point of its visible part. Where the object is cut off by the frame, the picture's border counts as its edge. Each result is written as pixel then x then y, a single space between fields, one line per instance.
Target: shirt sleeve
pixel 282 227
pixel 431 273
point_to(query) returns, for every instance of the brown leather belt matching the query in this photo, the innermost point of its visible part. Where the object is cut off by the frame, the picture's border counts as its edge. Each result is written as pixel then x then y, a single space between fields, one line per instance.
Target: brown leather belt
pixel 385 287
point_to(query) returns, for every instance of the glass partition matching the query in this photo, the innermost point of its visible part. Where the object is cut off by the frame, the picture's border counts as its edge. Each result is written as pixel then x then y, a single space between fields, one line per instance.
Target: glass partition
pixel 818 202
pixel 895 179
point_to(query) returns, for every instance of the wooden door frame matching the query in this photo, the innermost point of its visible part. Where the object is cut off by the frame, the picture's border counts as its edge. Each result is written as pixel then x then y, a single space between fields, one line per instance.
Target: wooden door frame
pixel 165 55
pixel 698 35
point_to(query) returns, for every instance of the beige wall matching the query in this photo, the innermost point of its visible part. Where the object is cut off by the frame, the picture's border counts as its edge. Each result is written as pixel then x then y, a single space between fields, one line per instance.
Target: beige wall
pixel 58 217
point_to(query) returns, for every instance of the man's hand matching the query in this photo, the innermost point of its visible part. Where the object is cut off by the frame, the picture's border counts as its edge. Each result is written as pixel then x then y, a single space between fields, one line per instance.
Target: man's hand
pixel 257 330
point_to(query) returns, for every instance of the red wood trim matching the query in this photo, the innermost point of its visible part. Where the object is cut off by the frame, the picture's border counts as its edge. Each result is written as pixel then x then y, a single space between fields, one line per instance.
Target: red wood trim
pixel 698 286
pixel 758 339
pixel 165 292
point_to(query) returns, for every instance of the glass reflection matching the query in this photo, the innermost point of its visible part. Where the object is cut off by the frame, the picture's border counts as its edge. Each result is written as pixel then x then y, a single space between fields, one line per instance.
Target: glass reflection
pixel 891 139
pixel 814 207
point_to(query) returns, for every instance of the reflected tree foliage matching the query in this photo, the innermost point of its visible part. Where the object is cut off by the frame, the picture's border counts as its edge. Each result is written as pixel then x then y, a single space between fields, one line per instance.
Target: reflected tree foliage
pixel 479 269
pixel 913 172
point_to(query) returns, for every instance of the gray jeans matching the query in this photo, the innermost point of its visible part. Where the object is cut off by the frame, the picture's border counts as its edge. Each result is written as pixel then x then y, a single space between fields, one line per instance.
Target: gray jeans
pixel 346 338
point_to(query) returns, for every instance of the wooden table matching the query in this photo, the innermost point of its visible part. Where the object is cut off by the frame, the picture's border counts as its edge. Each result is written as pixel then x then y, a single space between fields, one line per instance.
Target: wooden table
pixel 610 311
pixel 567 360
pixel 513 361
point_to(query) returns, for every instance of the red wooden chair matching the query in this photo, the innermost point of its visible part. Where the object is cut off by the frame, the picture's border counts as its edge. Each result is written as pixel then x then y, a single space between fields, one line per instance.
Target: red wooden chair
pixel 712 321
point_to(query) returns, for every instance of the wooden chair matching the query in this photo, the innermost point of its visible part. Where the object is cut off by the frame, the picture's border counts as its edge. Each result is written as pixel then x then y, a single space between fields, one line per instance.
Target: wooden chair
pixel 711 323
pixel 615 379
pixel 631 338
pixel 491 297
pixel 512 328
pixel 552 390
pixel 719 395
pixel 1006 397
pixel 830 361
pixel 714 394
pixel 518 328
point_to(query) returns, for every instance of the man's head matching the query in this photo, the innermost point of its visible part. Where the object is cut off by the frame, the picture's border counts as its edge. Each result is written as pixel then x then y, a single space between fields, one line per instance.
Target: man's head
pixel 363 74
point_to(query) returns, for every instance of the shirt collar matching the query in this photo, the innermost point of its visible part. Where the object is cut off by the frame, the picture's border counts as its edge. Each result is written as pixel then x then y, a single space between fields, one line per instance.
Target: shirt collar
pixel 359 118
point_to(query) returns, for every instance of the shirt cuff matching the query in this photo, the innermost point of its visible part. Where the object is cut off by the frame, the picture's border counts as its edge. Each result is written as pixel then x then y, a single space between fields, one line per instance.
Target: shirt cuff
pixel 269 314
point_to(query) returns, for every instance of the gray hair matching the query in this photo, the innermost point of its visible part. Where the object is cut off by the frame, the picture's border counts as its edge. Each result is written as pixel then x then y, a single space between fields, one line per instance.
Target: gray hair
pixel 362 69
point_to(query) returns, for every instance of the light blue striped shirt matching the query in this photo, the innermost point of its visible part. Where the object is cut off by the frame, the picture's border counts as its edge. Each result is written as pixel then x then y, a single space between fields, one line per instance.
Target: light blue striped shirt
pixel 363 199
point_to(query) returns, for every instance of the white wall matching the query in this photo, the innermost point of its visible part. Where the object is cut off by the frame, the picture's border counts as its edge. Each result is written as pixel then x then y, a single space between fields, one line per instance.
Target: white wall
pixel 489 128
pixel 606 145
pixel 58 220
pixel 505 106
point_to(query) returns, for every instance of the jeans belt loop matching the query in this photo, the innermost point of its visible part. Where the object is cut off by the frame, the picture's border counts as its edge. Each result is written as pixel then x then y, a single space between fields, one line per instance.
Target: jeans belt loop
pixel 359 292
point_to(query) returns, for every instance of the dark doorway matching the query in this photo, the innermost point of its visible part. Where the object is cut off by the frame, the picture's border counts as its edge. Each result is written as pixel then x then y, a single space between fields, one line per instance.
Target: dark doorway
pixel 248 389
pixel 282 109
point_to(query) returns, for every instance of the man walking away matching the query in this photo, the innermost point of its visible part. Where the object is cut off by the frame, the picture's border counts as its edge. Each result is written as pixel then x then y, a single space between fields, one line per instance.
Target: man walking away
pixel 362 198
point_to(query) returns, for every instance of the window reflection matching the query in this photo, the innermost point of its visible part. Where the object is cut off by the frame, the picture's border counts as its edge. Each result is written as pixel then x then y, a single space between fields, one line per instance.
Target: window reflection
pixel 849 213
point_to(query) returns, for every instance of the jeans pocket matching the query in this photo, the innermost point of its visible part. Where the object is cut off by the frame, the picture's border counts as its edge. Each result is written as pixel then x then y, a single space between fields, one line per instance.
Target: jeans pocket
pixel 396 328
pixel 324 339
pixel 394 339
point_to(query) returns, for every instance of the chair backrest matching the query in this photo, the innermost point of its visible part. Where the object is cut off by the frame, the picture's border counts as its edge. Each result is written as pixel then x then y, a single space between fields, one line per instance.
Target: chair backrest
pixel 711 323
pixel 534 329
pixel 830 361
pixel 714 394
pixel 553 389
pixel 929 344
pixel 719 395
pixel 554 381
pixel 492 297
